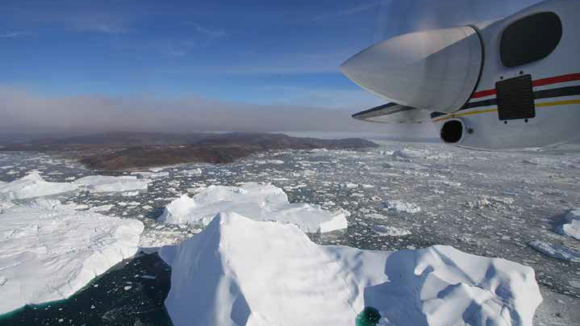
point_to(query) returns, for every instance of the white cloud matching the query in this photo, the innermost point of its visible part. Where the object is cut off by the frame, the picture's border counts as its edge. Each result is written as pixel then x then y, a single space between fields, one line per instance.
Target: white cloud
pixel 98 22
pixel 211 33
pixel 347 12
pixel 105 29
pixel 15 34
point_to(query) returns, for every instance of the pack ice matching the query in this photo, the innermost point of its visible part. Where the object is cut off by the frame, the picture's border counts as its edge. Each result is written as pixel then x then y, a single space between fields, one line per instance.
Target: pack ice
pixel 243 272
pixel 48 251
pixel 31 186
pixel 101 183
pixel 255 201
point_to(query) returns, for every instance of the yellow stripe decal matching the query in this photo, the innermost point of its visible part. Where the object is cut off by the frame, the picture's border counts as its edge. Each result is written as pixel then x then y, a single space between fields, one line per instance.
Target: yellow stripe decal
pixel 557 103
pixel 538 105
pixel 466 113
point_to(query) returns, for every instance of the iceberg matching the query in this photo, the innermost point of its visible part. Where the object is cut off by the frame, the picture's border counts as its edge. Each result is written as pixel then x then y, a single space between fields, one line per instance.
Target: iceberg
pixel 571 224
pixel 244 272
pixel 255 201
pixel 32 186
pixel 100 183
pixel 48 250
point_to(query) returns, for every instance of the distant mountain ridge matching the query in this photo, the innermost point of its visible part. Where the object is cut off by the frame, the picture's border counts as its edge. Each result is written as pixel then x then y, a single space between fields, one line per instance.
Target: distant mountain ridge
pixel 122 151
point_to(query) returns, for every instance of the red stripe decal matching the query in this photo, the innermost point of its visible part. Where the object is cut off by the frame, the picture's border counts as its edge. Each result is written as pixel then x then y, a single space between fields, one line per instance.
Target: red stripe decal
pixel 484 93
pixel 555 80
pixel 536 83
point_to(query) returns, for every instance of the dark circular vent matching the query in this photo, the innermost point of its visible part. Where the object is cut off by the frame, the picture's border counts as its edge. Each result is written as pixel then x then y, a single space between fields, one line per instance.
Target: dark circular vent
pixel 452 131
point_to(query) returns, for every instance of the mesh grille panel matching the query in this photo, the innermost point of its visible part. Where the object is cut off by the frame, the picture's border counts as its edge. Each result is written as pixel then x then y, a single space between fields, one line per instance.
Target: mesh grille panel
pixel 515 98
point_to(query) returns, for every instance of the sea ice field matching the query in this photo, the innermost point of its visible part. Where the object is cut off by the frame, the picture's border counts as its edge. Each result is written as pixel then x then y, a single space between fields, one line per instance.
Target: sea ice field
pixel 519 206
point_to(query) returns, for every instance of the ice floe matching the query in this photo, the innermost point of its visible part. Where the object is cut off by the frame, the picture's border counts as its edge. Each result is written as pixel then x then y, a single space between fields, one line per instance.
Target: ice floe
pixel 486 201
pixel 102 208
pixel 48 250
pixel 407 154
pixel 32 186
pixel 100 183
pixel 258 202
pixel 390 231
pixel 571 224
pixel 243 272
pixel 401 206
pixel 274 162
pixel 152 175
pixel 192 173
pixel 153 239
pixel 556 251
pixel 403 165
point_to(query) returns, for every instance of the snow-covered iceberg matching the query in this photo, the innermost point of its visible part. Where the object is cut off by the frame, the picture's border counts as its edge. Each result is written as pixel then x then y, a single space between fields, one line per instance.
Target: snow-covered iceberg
pixel 243 272
pixel 255 201
pixel 32 186
pixel 101 183
pixel 571 224
pixel 48 251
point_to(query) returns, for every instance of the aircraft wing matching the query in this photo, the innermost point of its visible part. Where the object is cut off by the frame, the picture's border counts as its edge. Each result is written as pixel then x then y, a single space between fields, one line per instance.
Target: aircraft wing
pixel 393 113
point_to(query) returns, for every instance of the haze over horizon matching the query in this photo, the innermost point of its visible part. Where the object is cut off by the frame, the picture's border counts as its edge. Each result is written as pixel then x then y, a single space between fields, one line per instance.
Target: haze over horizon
pixel 97 66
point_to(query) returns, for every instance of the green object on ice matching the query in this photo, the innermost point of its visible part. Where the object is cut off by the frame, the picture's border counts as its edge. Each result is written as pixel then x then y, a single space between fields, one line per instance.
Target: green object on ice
pixel 368 317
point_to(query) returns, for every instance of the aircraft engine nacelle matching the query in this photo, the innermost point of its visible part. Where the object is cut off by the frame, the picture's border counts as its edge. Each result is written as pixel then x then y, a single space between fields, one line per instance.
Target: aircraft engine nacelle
pixel 434 70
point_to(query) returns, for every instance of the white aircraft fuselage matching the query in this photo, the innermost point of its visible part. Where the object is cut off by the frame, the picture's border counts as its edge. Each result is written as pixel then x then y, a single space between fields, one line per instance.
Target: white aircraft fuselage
pixel 511 83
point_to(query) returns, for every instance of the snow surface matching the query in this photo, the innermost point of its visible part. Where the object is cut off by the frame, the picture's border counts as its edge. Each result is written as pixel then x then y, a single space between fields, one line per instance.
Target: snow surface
pixel 48 250
pixel 258 202
pixel 571 225
pixel 32 186
pixel 243 272
pixel 100 183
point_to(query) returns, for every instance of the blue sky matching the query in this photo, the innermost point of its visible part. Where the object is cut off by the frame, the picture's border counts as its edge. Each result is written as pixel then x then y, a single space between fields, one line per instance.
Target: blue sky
pixel 252 51
pixel 208 54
